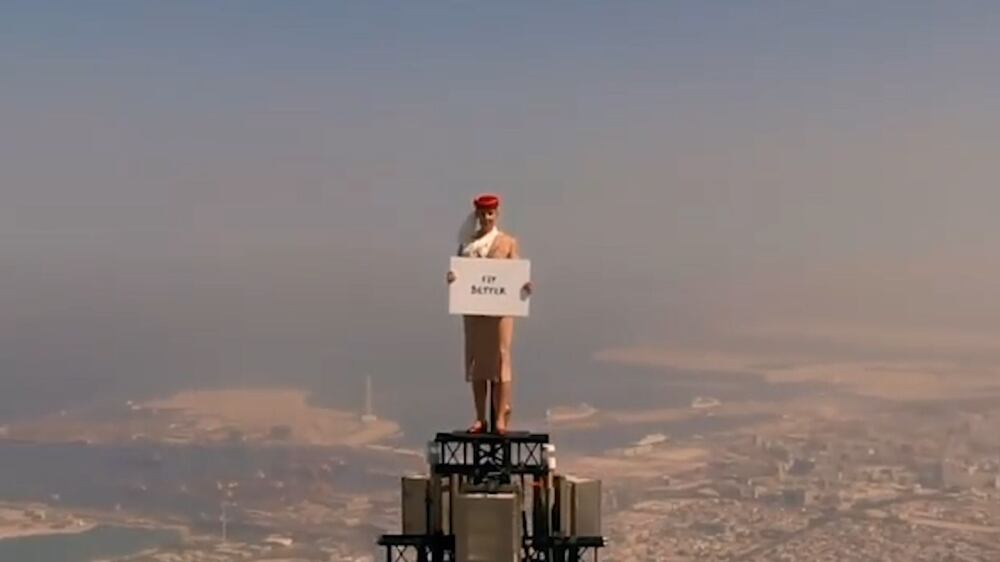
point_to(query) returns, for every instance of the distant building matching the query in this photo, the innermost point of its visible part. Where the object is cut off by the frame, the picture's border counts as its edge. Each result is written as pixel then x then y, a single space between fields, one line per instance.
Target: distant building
pixel 278 540
pixel 569 413
pixel 369 415
pixel 652 439
pixel 798 497
pixel 702 402
pixel 778 451
pixel 637 451
pixel 958 476
pixel 801 467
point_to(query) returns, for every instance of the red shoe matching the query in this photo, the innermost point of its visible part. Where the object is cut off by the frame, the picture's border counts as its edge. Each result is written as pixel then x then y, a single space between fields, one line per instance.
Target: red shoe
pixel 477 427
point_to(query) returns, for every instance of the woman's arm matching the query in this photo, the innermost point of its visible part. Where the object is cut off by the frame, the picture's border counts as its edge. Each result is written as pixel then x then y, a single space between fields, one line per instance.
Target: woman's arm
pixel 451 274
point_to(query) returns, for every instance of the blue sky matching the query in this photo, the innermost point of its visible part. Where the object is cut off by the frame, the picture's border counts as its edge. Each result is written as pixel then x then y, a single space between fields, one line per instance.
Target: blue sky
pixel 201 180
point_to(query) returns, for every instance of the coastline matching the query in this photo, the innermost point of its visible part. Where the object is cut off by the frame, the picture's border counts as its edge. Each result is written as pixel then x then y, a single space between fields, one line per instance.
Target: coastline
pixel 899 379
pixel 258 416
pixel 20 520
pixel 20 533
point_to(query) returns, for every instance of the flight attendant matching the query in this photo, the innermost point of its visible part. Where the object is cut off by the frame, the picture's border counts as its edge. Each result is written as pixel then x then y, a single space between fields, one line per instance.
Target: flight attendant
pixel 488 338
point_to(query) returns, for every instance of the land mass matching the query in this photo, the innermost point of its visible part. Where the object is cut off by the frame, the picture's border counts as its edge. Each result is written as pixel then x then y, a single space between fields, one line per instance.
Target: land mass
pixel 30 520
pixel 898 380
pixel 262 416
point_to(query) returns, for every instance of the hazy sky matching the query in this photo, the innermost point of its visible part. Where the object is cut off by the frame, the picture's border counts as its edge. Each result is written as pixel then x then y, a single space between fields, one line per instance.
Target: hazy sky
pixel 218 191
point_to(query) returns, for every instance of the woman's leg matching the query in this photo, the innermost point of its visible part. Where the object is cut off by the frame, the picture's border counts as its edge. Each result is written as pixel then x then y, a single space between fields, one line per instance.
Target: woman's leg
pixel 503 385
pixel 479 397
pixel 508 390
pixel 501 403
pixel 473 328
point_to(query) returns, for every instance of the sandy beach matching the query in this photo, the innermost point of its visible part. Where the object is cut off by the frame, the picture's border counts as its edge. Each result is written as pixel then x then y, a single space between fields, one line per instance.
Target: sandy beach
pixel 18 521
pixel 272 414
pixel 261 416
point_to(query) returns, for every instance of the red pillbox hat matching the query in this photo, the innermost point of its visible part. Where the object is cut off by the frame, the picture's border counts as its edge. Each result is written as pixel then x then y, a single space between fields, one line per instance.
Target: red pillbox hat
pixel 486 201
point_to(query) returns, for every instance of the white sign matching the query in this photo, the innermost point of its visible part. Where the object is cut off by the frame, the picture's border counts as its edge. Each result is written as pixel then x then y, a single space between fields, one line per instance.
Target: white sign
pixel 489 287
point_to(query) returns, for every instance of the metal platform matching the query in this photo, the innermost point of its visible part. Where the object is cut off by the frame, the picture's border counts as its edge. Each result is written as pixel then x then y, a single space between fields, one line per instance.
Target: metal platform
pixel 418 548
pixel 489 456
pixel 441 548
pixel 563 549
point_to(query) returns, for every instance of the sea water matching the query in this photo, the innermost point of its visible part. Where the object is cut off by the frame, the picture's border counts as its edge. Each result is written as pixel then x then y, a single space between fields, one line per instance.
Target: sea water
pixel 95 544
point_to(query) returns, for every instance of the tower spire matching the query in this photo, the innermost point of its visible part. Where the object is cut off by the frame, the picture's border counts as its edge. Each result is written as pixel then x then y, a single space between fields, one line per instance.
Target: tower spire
pixel 369 415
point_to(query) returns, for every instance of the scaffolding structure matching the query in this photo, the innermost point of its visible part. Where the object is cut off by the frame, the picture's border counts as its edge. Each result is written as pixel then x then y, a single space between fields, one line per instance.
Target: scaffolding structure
pixel 495 497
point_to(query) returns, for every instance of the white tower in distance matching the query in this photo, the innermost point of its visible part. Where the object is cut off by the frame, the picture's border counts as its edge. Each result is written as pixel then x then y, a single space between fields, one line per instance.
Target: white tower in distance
pixel 369 415
pixel 225 523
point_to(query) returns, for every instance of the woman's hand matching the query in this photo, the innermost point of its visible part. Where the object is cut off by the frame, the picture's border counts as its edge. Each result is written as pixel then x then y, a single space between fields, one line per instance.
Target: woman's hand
pixel 450 277
pixel 527 288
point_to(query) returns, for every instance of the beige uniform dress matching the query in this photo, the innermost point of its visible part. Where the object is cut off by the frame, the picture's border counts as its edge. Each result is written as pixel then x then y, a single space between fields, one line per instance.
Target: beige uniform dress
pixel 488 338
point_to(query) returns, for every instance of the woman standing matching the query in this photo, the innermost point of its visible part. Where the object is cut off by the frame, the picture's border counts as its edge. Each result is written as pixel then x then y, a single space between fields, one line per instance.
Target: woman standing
pixel 488 338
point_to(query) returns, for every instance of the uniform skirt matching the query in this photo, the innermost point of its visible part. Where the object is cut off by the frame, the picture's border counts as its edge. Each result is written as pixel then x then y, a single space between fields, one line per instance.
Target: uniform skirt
pixel 487 347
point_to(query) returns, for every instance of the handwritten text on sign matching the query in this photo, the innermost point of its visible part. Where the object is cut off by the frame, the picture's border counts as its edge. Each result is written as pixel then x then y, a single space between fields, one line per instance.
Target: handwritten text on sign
pixel 489 287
